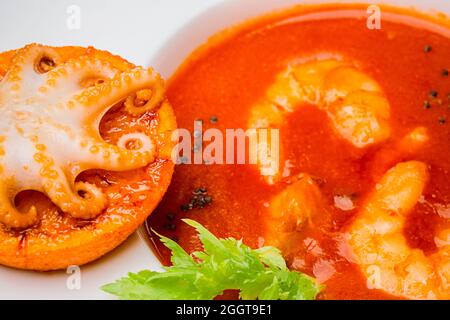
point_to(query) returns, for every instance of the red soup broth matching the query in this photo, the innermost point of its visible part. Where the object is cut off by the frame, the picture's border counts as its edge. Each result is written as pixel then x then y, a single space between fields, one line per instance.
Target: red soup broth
pixel 408 57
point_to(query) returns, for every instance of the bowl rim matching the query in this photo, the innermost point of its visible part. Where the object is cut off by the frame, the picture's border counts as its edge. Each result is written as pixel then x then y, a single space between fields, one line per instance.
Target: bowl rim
pixel 228 16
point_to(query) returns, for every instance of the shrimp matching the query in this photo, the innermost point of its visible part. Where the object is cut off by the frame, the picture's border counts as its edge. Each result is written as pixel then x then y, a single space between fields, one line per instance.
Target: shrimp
pixel 291 210
pixel 380 249
pixel 354 102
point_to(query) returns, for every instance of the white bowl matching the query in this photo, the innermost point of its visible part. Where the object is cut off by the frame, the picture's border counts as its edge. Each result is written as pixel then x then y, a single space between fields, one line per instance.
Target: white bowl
pixel 165 52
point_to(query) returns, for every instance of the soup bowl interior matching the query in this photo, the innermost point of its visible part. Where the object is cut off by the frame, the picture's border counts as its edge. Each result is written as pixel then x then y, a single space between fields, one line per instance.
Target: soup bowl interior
pixel 230 13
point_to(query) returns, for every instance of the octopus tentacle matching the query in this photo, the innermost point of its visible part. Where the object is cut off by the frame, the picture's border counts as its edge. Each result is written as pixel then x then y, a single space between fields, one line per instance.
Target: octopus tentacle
pixel 75 75
pixel 10 215
pixel 98 99
pixel 79 199
pixel 27 73
pixel 60 185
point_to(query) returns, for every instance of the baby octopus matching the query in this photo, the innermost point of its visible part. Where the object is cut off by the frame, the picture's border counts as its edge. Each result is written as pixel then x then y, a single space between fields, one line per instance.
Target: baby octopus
pixel 354 102
pixel 380 248
pixel 49 130
pixel 52 102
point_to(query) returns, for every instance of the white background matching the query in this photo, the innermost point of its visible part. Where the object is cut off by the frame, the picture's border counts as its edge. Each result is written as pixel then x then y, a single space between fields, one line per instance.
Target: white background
pixel 134 29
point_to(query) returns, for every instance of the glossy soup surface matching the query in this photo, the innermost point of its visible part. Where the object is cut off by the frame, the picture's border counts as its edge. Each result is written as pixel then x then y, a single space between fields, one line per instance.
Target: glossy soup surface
pixel 225 79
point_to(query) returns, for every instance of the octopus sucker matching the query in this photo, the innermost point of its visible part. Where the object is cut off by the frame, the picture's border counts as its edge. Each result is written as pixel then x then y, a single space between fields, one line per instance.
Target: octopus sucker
pixel 354 102
pixel 53 101
pixel 82 201
pixel 382 251
pixel 135 141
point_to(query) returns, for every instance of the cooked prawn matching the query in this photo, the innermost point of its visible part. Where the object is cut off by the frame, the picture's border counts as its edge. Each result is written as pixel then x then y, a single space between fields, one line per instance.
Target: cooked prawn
pixel 291 210
pixel 354 102
pixel 380 248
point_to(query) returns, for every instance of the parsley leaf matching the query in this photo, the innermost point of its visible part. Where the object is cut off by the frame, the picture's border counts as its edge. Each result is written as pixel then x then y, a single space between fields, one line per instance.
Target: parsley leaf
pixel 224 264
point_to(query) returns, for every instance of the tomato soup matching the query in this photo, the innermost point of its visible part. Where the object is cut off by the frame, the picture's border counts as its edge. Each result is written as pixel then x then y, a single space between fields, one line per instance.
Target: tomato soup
pixel 408 59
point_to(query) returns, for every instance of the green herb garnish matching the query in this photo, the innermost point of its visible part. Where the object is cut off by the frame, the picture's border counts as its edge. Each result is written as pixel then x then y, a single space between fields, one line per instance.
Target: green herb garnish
pixel 224 264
